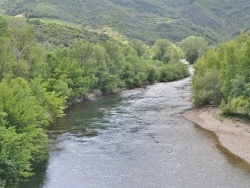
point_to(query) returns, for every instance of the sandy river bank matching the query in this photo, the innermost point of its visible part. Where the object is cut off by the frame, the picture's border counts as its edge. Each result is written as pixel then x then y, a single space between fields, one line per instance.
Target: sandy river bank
pixel 232 134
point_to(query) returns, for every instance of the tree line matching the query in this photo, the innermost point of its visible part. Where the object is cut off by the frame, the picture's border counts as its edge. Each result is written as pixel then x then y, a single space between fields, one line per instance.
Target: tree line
pixel 222 77
pixel 37 83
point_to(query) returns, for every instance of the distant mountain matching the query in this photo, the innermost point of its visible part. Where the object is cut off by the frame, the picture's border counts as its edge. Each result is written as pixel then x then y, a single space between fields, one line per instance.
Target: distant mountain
pixel 147 20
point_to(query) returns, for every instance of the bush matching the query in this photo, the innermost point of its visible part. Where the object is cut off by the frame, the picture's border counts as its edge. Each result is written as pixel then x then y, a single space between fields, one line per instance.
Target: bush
pixel 206 88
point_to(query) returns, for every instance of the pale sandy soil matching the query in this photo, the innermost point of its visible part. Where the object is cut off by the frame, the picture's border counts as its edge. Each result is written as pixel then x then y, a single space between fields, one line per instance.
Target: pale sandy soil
pixel 20 16
pixel 234 135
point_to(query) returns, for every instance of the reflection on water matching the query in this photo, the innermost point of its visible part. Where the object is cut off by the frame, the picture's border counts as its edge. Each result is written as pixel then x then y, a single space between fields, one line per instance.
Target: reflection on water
pixel 230 157
pixel 233 159
pixel 37 180
pixel 137 138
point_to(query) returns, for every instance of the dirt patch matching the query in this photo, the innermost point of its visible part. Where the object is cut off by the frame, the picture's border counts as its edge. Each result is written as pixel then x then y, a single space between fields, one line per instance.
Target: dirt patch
pixel 20 16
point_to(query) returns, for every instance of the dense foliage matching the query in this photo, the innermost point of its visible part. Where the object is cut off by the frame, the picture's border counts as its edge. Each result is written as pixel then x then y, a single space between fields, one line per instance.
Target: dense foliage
pixel 61 34
pixel 46 65
pixel 147 20
pixel 222 77
pixel 194 47
pixel 37 82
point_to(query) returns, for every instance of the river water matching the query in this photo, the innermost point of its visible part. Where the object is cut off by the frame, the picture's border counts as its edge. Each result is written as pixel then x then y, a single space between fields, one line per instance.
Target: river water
pixel 137 139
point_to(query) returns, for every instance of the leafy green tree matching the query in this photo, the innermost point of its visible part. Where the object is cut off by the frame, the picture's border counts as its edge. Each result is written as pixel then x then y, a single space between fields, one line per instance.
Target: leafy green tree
pixel 22 38
pixel 4 29
pixel 108 82
pixel 23 120
pixel 36 61
pixel 245 57
pixel 206 88
pixel 15 157
pixel 166 51
pixel 50 101
pixel 140 47
pixel 84 52
pixel 5 52
pixel 152 75
pixel 230 67
pixel 71 73
pixel 25 112
pixel 222 78
pixel 193 47
pixel 173 71
pixel 128 74
pixel 115 56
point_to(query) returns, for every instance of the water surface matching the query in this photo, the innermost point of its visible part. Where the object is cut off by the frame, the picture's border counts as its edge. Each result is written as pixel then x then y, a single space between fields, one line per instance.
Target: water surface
pixel 137 139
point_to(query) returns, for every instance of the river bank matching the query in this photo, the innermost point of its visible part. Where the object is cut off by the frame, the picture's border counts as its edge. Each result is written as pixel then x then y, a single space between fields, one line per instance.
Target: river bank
pixel 232 134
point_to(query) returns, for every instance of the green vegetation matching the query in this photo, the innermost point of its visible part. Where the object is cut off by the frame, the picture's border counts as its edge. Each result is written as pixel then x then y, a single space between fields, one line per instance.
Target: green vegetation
pixel 66 50
pixel 63 34
pixel 54 33
pixel 194 47
pixel 38 79
pixel 222 77
pixel 146 20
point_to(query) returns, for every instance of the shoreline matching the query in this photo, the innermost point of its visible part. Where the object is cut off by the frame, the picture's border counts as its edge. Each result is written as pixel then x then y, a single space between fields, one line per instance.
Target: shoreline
pixel 232 134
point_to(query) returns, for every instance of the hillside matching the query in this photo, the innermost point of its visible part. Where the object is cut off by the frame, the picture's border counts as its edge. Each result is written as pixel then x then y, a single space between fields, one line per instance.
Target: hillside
pixel 147 20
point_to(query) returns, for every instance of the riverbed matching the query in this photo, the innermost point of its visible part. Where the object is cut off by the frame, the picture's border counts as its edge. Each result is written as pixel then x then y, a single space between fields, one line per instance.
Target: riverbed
pixel 137 139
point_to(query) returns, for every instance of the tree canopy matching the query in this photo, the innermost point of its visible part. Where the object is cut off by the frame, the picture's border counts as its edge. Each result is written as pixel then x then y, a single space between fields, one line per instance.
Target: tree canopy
pixel 146 20
pixel 37 82
pixel 222 77
pixel 194 47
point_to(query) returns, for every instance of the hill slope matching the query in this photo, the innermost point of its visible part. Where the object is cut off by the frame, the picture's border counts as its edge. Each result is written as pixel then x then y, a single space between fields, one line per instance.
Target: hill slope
pixel 217 20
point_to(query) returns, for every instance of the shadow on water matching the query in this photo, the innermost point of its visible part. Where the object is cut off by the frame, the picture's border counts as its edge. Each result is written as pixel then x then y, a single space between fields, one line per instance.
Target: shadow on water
pixel 231 158
pixel 37 180
pixel 138 139
pixel 84 117
pixel 77 122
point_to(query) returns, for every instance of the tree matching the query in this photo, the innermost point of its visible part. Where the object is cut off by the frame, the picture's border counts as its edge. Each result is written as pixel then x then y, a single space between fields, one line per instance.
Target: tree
pixel 25 112
pixel 139 46
pixel 70 72
pixel 4 29
pixel 22 38
pixel 166 51
pixel 193 47
pixel 15 157
pixel 23 140
pixel 88 56
pixel 222 77
pixel 50 101
pixel 6 59
pixel 206 88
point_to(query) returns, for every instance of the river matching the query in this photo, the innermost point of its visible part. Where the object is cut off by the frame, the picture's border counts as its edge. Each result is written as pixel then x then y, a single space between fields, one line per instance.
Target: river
pixel 137 139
